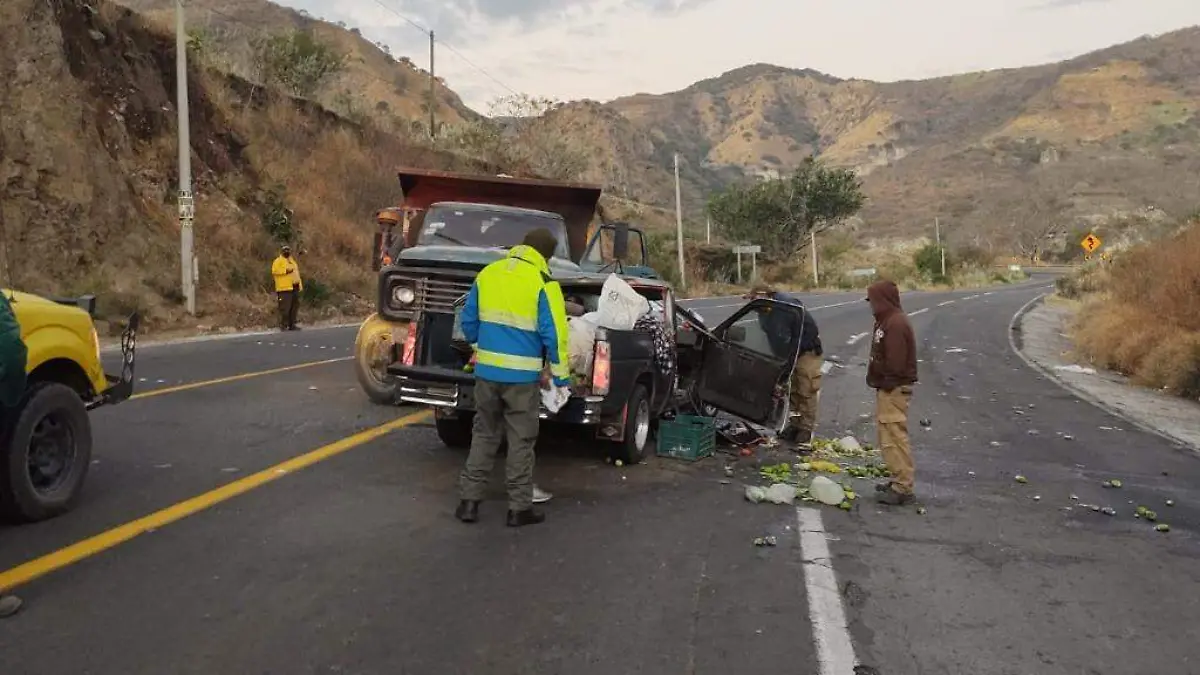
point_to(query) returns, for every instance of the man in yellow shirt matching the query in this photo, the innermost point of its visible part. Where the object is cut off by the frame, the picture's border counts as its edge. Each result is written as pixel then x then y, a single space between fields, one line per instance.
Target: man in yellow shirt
pixel 286 272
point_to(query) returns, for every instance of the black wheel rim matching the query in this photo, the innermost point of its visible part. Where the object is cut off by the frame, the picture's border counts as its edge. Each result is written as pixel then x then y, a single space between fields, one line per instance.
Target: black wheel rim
pixel 51 453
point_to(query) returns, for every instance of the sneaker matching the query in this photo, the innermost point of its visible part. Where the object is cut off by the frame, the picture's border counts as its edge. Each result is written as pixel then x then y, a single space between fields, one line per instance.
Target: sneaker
pixel 9 605
pixel 540 496
pixel 893 498
pixel 526 517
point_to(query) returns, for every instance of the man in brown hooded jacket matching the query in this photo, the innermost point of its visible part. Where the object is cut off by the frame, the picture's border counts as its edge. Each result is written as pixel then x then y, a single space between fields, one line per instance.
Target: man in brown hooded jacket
pixel 891 373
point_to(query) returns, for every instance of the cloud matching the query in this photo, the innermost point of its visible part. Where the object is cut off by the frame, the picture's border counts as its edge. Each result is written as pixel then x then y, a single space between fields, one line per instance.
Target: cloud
pixel 1061 4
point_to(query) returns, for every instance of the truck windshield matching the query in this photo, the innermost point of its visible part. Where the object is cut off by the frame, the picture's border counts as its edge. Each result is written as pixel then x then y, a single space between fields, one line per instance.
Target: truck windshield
pixel 488 227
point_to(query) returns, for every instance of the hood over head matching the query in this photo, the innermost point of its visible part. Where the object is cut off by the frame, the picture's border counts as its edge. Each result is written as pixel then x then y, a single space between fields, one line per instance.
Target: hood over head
pixel 884 297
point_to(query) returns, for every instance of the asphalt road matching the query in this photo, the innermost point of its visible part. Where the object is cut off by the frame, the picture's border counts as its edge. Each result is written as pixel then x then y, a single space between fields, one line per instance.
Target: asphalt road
pixel 354 564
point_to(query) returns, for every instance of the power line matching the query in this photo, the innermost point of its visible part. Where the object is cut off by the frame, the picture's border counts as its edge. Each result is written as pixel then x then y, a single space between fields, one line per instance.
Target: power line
pixel 449 46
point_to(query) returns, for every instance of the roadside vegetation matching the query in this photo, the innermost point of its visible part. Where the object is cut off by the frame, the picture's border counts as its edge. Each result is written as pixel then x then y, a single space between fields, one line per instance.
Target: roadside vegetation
pixel 1140 315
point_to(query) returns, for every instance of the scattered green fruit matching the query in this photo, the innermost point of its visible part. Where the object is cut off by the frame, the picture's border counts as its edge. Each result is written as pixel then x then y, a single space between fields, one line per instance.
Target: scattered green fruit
pixel 619 463
pixel 1114 483
pixel 845 506
pixel 1162 527
pixel 1021 479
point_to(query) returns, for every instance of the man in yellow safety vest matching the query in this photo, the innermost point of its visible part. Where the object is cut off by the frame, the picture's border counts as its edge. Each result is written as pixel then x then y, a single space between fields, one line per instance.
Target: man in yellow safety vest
pixel 516 319
pixel 288 285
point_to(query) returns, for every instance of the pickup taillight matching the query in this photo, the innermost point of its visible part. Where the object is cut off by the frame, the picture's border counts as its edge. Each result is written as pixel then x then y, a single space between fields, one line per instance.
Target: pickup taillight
pixel 410 346
pixel 601 367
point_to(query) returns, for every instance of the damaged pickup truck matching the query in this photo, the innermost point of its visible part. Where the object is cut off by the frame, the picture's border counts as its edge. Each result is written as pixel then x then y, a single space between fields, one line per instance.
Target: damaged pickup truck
pixel 667 361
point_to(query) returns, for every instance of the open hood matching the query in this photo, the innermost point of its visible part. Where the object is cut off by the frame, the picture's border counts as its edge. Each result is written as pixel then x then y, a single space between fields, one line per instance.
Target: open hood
pixel 575 202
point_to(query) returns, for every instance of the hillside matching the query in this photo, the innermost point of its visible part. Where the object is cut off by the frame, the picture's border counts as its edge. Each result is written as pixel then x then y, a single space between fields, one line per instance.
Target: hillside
pixel 375 84
pixel 88 153
pixel 1107 135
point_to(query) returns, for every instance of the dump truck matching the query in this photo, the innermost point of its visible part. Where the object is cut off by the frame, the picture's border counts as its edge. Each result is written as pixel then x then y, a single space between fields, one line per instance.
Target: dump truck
pixel 448 226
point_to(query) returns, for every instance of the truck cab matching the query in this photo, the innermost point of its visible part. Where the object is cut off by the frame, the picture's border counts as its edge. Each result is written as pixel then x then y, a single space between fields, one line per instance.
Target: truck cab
pixel 46 439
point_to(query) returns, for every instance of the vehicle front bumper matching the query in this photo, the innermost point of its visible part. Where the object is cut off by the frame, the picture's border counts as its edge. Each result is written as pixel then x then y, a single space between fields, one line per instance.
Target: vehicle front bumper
pixel 452 393
pixel 120 387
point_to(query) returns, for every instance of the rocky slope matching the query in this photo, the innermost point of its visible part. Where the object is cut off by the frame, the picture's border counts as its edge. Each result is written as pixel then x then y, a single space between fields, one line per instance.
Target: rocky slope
pixel 88 160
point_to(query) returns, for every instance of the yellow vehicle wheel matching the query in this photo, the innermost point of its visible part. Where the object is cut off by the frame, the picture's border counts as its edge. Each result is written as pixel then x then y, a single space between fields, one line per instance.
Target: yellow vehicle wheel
pixel 372 354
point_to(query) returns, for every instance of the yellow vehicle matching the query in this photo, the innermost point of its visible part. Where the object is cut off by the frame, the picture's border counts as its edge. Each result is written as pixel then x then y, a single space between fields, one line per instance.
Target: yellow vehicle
pixel 46 438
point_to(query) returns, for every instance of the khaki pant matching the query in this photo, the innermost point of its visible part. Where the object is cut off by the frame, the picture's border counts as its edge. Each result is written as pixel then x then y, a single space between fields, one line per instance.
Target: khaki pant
pixel 802 395
pixel 503 410
pixel 891 418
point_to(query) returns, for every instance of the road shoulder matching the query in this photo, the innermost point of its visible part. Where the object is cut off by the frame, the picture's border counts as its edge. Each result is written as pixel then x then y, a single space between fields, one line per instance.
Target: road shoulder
pixel 1039 336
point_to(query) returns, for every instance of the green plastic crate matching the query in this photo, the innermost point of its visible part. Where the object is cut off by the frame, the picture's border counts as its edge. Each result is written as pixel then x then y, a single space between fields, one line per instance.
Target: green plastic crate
pixel 687 437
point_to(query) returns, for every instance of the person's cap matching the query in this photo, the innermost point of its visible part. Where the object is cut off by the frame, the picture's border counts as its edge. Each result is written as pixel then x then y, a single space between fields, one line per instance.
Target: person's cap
pixel 285 247
pixel 542 241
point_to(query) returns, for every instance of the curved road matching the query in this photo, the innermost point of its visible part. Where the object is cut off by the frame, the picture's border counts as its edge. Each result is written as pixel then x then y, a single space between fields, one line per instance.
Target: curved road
pixel 347 559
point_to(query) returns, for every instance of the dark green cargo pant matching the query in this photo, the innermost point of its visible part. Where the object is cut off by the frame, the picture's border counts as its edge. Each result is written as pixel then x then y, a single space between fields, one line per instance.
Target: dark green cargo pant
pixel 501 408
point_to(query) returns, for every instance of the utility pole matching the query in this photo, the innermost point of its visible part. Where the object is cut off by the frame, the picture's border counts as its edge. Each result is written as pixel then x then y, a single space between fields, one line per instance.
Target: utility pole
pixel 937 232
pixel 432 81
pixel 813 243
pixel 679 225
pixel 187 211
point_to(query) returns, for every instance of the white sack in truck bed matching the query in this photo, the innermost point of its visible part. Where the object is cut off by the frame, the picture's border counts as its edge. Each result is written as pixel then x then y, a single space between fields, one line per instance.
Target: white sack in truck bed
pixel 581 335
pixel 620 305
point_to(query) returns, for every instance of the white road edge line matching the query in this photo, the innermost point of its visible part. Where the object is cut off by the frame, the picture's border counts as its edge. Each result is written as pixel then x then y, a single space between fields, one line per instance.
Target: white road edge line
pixel 948 302
pixel 920 311
pixel 856 337
pixel 835 650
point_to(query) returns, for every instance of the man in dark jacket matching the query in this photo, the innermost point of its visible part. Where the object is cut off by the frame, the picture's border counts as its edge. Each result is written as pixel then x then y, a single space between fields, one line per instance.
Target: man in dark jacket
pixel 805 384
pixel 891 373
pixel 13 355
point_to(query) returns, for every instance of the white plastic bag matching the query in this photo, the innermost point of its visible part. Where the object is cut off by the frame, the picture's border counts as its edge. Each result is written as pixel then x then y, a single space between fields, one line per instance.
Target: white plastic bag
pixel 581 342
pixel 555 398
pixel 620 305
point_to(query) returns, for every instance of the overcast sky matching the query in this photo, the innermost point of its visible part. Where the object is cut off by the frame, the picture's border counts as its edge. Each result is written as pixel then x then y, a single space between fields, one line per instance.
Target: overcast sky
pixel 602 49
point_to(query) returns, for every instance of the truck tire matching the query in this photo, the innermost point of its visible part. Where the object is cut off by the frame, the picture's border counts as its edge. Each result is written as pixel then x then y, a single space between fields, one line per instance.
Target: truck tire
pixel 44 454
pixel 635 446
pixel 455 432
pixel 372 350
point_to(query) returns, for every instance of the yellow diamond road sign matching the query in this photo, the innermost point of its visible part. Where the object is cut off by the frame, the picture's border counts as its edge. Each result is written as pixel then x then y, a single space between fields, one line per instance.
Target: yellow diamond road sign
pixel 1090 243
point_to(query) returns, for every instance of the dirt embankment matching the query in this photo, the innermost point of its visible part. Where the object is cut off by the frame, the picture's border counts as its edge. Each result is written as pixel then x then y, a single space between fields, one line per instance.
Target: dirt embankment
pixel 1141 314
pixel 88 174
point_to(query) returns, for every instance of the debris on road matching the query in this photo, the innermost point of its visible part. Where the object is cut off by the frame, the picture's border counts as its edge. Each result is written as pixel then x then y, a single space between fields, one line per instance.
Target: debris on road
pixel 826 491
pixel 1114 483
pixel 1162 527
pixel 926 422
pixel 1170 502
pixel 1020 479
pixel 921 511
pixel 1076 369
pixel 956 350
pixel 766 541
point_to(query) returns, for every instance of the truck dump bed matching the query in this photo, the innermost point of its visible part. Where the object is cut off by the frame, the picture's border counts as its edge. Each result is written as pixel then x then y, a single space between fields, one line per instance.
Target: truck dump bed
pixel 576 202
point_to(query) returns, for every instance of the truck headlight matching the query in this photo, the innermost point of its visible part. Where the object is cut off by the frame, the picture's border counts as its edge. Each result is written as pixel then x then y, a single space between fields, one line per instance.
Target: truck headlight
pixel 403 295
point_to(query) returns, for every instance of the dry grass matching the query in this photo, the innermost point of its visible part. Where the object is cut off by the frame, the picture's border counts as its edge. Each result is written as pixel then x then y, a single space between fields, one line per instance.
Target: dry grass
pixel 1142 317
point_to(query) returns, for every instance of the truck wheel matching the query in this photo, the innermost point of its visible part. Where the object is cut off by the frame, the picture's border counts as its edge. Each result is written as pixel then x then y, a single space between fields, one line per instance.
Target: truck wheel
pixel 636 446
pixel 44 454
pixel 455 432
pixel 372 353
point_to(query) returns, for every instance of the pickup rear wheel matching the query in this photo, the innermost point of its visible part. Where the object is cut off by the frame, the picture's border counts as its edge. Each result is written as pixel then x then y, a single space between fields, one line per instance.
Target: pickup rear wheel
pixel 455 432
pixel 635 446
pixel 44 454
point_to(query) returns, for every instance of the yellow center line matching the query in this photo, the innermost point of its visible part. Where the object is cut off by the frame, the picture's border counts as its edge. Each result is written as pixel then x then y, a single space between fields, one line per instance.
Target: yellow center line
pixel 63 557
pixel 235 378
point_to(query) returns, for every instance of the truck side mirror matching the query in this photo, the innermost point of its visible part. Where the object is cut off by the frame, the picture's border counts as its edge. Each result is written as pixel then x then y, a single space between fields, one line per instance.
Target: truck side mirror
pixel 620 241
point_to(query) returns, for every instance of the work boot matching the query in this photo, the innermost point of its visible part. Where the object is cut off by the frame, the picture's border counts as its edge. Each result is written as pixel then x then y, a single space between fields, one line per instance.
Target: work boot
pixel 527 517
pixel 9 605
pixel 467 511
pixel 540 496
pixel 893 498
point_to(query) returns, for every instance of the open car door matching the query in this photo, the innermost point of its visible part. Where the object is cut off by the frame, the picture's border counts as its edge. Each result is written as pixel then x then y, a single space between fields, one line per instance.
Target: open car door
pixel 744 369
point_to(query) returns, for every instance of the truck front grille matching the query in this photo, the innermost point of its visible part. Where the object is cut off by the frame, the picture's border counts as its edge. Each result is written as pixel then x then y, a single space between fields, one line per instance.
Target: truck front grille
pixel 437 294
